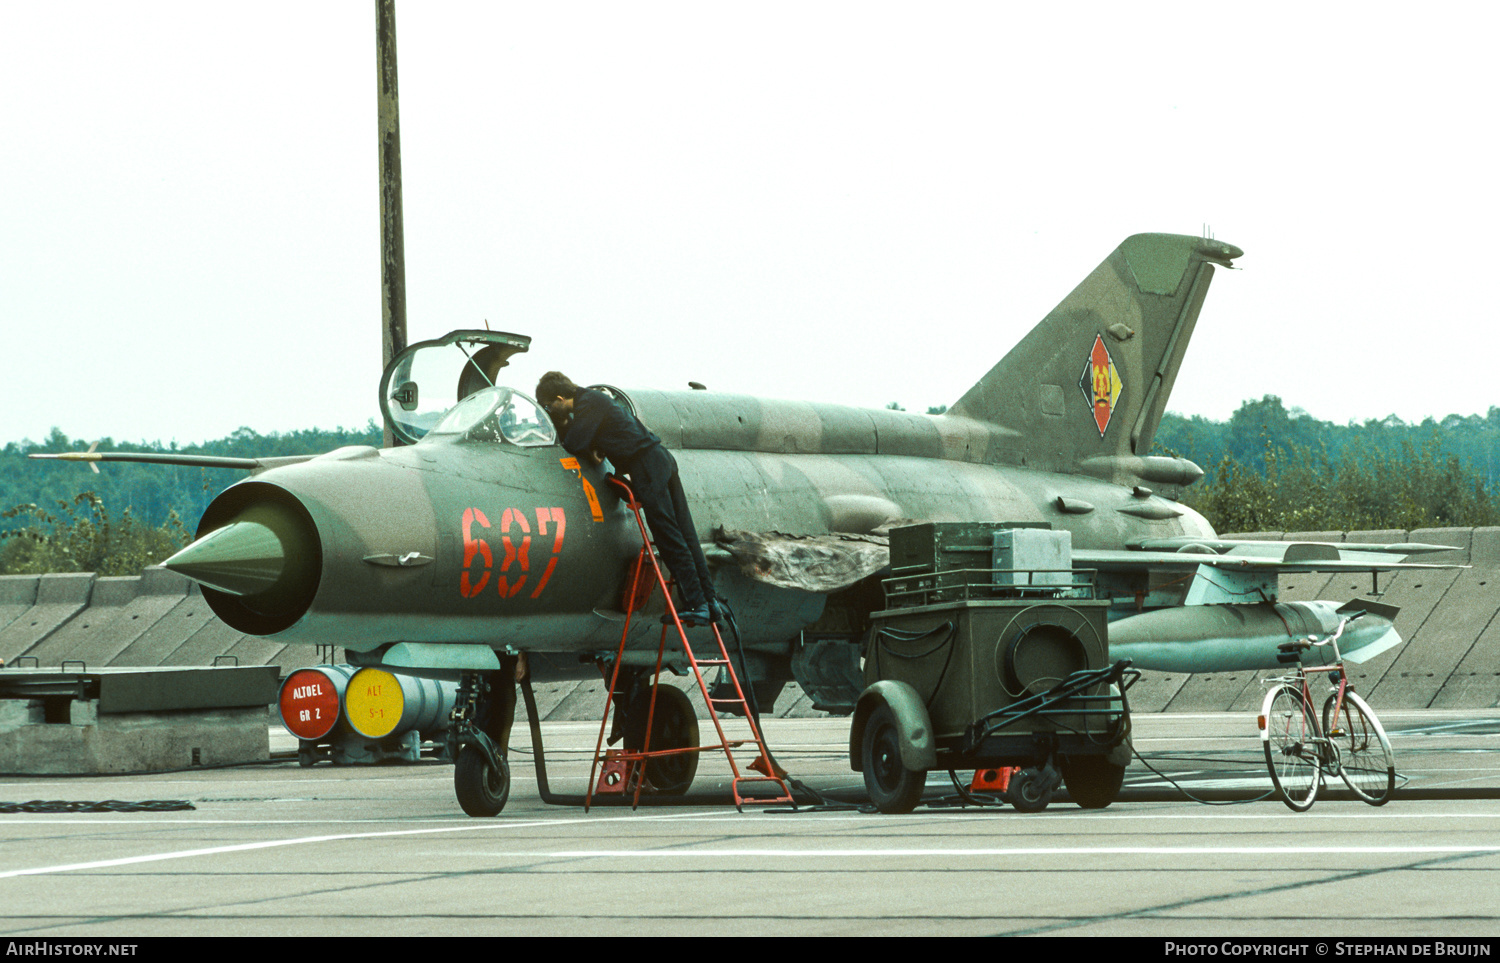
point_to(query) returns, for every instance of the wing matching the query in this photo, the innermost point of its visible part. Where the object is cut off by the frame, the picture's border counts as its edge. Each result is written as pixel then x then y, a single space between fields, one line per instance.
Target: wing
pixel 1235 570
pixel 1309 550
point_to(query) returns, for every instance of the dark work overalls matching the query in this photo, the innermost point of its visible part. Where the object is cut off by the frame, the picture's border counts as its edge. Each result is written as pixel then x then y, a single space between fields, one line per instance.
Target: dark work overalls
pixel 601 425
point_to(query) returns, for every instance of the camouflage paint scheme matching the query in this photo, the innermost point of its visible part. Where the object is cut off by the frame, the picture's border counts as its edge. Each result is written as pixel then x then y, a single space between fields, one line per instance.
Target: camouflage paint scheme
pixel 436 555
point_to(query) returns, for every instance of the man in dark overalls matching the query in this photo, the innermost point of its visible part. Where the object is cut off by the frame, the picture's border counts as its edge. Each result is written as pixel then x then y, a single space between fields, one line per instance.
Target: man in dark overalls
pixel 592 425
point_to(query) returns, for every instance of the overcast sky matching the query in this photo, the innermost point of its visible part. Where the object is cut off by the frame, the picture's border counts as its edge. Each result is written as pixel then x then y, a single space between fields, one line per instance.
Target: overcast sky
pixel 856 202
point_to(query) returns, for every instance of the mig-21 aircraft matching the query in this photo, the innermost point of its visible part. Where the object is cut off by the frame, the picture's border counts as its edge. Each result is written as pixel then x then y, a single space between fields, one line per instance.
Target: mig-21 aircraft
pixel 481 536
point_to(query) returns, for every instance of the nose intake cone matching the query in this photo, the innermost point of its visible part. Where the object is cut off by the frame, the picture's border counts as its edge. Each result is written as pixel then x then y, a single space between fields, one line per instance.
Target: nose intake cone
pixel 242 558
pixel 258 557
pixel 246 557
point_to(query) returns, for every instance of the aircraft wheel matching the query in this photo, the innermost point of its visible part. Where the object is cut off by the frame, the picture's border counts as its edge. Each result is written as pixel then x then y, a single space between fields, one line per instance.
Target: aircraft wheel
pixel 1093 781
pixel 675 726
pixel 892 787
pixel 1026 792
pixel 481 789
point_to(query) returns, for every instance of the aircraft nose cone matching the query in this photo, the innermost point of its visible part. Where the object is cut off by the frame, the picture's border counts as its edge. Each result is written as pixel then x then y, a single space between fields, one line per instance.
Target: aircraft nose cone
pixel 258 557
pixel 243 558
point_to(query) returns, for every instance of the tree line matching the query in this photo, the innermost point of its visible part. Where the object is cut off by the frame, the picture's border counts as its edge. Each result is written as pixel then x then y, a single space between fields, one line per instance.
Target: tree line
pixel 1267 469
pixel 65 518
pixel 1272 469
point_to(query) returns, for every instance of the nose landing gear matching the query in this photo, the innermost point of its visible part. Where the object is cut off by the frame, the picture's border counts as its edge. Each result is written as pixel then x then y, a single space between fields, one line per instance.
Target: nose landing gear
pixel 481 777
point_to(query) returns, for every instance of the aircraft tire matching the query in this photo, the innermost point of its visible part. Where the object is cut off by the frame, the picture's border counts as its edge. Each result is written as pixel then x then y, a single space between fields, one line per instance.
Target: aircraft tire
pixel 675 726
pixel 1026 792
pixel 481 790
pixel 893 788
pixel 1093 781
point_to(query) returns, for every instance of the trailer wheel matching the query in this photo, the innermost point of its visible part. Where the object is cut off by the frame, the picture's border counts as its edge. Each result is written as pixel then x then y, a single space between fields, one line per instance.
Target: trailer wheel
pixel 1093 781
pixel 892 787
pixel 1026 791
pixel 481 789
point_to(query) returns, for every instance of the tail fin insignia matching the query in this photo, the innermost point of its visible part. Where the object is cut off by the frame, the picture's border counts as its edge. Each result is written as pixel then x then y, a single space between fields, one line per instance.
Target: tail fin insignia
pixel 1101 384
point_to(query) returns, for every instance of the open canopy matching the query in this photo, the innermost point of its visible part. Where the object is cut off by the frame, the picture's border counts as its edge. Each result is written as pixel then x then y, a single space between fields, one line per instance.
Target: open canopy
pixel 423 382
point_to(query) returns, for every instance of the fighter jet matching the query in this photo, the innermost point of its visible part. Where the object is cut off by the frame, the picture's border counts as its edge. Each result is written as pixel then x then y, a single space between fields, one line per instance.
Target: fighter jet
pixel 480 536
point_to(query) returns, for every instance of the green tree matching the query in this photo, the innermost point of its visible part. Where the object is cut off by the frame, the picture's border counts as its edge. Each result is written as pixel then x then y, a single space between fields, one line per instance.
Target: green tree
pixel 89 540
pixel 1300 488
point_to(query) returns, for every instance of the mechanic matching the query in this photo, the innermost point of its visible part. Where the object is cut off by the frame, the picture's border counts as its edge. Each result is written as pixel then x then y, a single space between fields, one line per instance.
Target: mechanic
pixel 594 427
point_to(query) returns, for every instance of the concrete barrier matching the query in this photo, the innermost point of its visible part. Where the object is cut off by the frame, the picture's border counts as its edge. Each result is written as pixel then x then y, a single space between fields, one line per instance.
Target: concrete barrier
pixel 17 595
pixel 58 599
pixel 132 720
pixel 1475 680
pixel 94 629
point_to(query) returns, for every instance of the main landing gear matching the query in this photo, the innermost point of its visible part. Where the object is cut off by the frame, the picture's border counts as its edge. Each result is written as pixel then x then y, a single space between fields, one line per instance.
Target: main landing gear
pixel 674 725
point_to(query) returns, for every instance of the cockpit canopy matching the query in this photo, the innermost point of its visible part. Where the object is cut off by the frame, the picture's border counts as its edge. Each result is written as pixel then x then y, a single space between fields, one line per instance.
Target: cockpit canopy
pixel 497 414
pixel 420 386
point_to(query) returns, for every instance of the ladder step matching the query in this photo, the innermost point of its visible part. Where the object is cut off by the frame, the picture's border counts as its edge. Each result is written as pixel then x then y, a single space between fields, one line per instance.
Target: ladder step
pixel 784 797
pixel 625 772
pixel 640 755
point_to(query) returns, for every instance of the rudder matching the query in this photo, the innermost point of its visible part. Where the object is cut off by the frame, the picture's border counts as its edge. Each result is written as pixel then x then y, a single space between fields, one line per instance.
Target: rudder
pixel 1092 379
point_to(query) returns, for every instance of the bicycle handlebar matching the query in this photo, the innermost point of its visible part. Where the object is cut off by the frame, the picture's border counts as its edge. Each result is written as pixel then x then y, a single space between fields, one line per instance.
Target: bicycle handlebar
pixel 1303 644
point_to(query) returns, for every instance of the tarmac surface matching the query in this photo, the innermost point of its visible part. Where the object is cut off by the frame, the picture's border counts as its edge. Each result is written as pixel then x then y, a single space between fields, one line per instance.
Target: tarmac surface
pixel 278 849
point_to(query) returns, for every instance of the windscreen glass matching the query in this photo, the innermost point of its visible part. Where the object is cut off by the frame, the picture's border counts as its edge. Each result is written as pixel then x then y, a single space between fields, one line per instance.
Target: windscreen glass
pixel 496 415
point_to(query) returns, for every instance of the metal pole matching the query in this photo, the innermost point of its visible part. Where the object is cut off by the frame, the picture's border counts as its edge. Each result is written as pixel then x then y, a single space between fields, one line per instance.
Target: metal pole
pixel 392 246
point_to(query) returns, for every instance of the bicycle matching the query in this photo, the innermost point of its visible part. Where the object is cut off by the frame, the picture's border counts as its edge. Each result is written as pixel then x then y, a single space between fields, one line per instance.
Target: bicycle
pixel 1348 740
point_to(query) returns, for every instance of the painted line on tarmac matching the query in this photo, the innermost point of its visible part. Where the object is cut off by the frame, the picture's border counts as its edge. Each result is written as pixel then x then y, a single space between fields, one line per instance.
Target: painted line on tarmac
pixel 334 837
pixel 810 854
pixel 802 854
pixel 1364 812
pixel 1448 727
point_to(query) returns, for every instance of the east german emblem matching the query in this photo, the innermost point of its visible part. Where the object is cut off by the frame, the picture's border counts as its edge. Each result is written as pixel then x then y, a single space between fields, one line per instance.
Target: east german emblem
pixel 1101 384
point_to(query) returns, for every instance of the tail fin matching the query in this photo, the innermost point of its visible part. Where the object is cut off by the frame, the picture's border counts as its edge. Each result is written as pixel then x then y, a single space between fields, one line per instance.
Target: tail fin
pixel 1091 381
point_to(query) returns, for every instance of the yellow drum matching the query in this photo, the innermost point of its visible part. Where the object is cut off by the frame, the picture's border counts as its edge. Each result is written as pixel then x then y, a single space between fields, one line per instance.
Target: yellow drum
pixel 378 703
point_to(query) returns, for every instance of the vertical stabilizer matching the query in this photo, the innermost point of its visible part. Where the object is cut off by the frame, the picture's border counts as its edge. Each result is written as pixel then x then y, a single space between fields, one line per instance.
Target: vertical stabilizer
pixel 1091 381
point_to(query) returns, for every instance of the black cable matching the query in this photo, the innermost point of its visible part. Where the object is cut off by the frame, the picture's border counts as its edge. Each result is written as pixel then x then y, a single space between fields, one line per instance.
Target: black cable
pixel 107 806
pixel 965 797
pixel 821 803
pixel 1207 802
pixel 897 635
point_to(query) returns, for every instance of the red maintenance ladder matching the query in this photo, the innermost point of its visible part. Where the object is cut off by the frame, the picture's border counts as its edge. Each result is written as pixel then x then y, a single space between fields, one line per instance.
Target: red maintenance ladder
pixel 625 769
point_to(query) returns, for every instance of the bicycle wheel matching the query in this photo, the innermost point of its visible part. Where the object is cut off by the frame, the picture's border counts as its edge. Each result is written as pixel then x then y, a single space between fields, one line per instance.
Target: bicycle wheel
pixel 1369 765
pixel 1291 743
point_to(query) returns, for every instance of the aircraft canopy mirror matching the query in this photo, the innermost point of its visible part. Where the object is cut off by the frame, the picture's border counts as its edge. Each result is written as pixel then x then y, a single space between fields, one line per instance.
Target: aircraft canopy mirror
pixel 423 382
pixel 406 396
